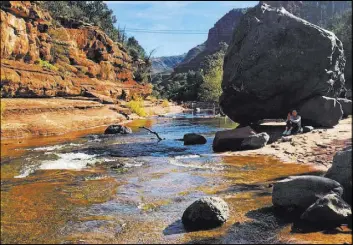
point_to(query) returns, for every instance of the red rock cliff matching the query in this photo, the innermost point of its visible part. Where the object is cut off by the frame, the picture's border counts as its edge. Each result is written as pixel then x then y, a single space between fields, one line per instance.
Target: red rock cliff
pixel 39 59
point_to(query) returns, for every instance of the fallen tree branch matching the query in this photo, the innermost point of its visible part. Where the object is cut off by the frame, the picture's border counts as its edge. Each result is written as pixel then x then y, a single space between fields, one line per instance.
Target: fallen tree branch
pixel 159 138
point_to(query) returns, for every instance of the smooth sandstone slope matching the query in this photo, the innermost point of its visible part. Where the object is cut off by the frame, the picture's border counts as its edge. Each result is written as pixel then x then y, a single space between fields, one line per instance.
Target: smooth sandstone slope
pixel 40 59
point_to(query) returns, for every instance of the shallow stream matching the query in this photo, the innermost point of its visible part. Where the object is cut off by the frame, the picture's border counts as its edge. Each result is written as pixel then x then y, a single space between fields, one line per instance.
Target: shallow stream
pixel 101 188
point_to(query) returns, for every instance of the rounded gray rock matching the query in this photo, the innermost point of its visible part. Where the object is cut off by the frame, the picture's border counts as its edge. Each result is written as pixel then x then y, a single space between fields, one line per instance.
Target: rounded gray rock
pixel 194 139
pixel 341 171
pixel 118 129
pixel 321 111
pixel 302 191
pixel 330 209
pixel 205 213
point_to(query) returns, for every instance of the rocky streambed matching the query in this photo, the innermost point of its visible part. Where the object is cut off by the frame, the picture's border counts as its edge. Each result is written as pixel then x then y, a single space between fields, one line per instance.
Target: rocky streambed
pixel 133 188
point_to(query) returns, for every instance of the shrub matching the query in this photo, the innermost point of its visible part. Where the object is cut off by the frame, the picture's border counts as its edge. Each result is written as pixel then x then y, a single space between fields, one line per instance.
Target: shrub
pixel 46 64
pixel 136 106
pixel 165 103
pixel 151 98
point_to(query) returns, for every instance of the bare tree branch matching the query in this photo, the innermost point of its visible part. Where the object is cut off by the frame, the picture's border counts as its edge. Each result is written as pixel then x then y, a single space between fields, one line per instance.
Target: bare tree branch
pixel 159 138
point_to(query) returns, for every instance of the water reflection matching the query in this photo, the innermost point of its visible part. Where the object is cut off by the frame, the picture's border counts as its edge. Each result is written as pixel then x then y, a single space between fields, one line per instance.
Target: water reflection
pixel 132 188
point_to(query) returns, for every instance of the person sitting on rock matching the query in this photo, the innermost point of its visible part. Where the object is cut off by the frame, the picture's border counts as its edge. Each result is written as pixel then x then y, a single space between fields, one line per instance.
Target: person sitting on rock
pixel 294 124
pixel 288 124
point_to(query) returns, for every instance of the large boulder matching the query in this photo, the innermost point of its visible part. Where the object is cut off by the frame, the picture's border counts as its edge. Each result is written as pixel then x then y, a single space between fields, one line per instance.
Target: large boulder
pixel 302 191
pixel 255 141
pixel 194 139
pixel 346 106
pixel 321 111
pixel 275 62
pixel 330 210
pixel 244 138
pixel 231 140
pixel 118 129
pixel 341 171
pixel 205 213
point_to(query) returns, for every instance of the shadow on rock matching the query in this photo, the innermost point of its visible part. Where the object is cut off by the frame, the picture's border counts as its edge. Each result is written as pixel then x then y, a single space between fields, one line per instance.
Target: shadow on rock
pixel 316 173
pixel 274 131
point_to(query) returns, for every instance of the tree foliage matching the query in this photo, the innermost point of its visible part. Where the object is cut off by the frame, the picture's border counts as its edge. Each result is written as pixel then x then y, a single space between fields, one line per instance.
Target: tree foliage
pixel 201 85
pixel 98 14
pixel 341 25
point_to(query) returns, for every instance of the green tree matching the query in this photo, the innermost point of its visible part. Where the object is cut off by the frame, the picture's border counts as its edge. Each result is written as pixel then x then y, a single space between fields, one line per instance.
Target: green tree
pixel 212 74
pixel 341 25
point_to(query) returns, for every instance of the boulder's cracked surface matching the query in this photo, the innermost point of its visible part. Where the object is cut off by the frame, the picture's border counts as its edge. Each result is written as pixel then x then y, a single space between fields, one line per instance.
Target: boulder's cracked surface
pixel 277 61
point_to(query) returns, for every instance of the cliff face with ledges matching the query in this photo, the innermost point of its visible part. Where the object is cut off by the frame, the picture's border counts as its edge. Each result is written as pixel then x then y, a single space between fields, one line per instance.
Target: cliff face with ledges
pixel 39 59
pixel 221 32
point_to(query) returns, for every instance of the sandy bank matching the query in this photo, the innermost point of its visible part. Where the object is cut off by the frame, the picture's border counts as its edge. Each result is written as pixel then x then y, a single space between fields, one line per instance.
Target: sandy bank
pixel 317 147
pixel 24 118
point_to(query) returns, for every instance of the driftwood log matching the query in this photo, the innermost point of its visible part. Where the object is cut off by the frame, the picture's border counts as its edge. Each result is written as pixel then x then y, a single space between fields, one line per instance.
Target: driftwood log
pixel 153 132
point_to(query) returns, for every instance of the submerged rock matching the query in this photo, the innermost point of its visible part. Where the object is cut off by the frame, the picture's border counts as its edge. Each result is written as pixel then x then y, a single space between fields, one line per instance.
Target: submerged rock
pixel 328 210
pixel 118 129
pixel 194 139
pixel 346 106
pixel 205 213
pixel 275 62
pixel 341 171
pixel 321 111
pixel 302 191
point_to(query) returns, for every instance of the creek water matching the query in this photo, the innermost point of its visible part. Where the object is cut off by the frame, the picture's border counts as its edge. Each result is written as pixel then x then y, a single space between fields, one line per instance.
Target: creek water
pixel 133 188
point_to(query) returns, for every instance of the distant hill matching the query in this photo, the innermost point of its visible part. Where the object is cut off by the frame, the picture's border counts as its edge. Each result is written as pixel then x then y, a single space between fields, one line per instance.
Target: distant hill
pixel 316 12
pixel 166 63
pixel 221 32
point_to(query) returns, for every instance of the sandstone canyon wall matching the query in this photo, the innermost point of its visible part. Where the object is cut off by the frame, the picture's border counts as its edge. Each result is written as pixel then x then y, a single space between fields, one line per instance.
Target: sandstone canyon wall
pixel 70 58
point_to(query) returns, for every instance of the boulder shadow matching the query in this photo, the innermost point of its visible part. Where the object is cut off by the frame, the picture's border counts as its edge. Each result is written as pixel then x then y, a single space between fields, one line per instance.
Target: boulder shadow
pixel 281 217
pixel 175 228
pixel 261 229
pixel 302 226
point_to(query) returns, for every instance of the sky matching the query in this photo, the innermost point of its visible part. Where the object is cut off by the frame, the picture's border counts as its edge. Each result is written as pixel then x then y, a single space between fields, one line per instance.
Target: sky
pixel 198 16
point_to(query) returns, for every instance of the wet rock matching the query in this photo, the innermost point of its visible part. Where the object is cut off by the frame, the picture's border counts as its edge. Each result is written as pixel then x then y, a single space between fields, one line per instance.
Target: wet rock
pixel 118 129
pixel 307 129
pixel 255 141
pixel 205 213
pixel 238 139
pixel 272 48
pixel 321 111
pixel 346 106
pixel 194 139
pixel 302 191
pixel 330 209
pixel 341 171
